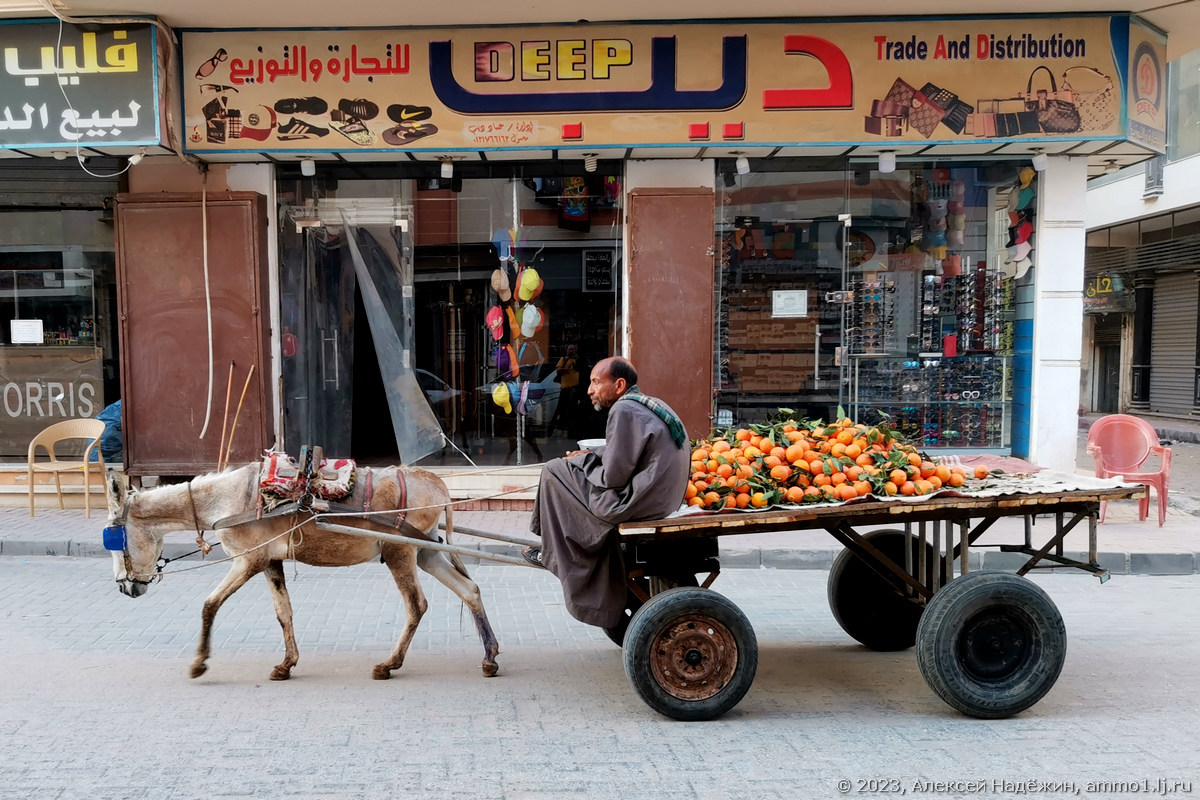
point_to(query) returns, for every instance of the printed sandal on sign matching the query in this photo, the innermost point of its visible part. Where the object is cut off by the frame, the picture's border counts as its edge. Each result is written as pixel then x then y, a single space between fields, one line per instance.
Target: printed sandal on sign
pixel 301 105
pixel 298 129
pixel 400 112
pixel 360 108
pixel 534 556
pixel 352 128
pixel 407 132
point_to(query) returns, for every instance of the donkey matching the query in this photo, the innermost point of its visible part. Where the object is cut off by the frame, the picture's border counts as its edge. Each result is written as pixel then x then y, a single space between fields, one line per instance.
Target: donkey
pixel 263 545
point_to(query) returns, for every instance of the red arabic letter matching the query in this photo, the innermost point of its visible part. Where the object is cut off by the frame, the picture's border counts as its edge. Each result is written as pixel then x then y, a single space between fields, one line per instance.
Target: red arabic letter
pixel 839 93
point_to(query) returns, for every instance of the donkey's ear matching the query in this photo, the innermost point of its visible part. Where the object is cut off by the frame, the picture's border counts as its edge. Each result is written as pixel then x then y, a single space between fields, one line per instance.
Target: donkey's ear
pixel 116 483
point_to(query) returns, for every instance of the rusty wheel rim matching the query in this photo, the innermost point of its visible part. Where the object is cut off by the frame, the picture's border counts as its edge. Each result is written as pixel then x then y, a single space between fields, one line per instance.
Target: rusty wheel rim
pixel 694 657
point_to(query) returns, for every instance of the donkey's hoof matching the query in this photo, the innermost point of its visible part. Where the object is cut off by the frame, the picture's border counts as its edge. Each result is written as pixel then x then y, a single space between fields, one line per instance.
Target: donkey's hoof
pixel 381 672
pixel 490 668
pixel 198 669
pixel 281 673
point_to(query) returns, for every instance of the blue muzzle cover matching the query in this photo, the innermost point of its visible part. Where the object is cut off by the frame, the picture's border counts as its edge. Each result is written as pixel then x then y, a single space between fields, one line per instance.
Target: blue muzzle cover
pixel 114 538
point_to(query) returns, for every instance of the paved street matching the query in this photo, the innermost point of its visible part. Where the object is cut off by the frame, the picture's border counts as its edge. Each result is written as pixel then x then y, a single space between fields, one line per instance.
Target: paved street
pixel 96 702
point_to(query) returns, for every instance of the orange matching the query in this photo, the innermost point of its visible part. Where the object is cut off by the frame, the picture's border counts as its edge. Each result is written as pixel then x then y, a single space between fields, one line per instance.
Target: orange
pixel 794 494
pixel 838 478
pixel 853 473
pixel 696 501
pixel 845 436
pixel 701 486
pixel 743 500
pixel 914 459
pixel 862 488
pixel 712 464
pixel 846 492
pixel 766 444
pixel 793 435
pixel 744 471
pixel 758 500
pixel 724 470
pixel 955 479
pixel 811 455
pixel 982 472
pixel 789 428
pixel 890 489
pixel 812 492
pixel 740 486
pixel 700 454
pixel 924 486
pixel 853 450
pixel 936 481
pixel 898 477
pixel 751 452
pixel 697 466
pixel 942 472
pixel 772 461
pixel 778 452
pixel 716 483
pixel 908 487
pixel 865 460
pixel 838 449
pixel 821 479
pixel 793 453
pixel 731 501
pixel 927 469
pixel 711 498
pixel 690 492
pixel 744 434
pixel 816 466
pixel 721 446
pixel 781 473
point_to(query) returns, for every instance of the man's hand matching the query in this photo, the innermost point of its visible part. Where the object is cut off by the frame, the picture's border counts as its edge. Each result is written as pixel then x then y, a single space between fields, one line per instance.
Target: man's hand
pixel 574 453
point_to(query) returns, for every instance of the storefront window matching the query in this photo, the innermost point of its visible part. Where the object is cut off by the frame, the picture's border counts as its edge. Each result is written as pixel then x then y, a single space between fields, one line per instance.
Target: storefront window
pixel 506 288
pixel 892 296
pixel 1183 106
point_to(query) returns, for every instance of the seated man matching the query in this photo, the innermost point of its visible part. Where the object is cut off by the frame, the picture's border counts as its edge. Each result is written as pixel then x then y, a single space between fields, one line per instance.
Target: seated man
pixel 640 473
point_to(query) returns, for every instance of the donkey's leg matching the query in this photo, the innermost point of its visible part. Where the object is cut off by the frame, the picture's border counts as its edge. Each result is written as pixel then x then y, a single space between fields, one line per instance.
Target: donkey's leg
pixel 399 560
pixel 437 564
pixel 243 569
pixel 283 612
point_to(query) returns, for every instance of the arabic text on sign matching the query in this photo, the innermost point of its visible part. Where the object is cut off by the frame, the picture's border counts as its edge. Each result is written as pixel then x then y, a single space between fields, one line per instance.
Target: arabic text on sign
pixel 117 58
pixel 297 64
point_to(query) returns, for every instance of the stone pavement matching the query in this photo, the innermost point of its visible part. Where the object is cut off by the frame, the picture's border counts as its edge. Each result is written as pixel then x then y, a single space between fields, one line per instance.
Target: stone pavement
pixel 97 704
pixel 1125 544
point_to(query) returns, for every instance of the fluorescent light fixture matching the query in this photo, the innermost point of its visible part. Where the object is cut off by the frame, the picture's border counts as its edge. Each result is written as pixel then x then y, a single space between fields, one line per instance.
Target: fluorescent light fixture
pixel 447 168
pixel 887 161
pixel 1040 160
pixel 308 167
pixel 743 165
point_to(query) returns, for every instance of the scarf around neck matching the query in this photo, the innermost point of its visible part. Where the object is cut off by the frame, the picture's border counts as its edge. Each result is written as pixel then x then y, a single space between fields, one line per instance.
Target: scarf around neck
pixel 662 411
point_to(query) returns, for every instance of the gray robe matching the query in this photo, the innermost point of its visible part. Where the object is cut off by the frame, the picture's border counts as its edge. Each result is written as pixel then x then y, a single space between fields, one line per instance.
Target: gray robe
pixel 638 474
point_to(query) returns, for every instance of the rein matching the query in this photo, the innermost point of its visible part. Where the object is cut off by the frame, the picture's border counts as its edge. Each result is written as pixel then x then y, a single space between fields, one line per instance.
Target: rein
pixel 204 547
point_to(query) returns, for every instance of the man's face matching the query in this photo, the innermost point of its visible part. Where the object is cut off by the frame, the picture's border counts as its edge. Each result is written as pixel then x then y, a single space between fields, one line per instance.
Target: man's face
pixel 603 390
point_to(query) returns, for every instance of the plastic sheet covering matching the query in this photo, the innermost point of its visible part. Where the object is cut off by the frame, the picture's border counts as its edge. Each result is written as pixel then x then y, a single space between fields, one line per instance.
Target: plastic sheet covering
pixel 386 281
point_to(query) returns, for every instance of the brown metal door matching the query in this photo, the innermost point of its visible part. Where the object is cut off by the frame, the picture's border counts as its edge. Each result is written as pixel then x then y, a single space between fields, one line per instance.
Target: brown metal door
pixel 164 330
pixel 670 292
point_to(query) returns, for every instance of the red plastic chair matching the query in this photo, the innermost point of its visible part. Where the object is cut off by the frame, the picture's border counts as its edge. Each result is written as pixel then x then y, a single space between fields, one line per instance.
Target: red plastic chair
pixel 1121 445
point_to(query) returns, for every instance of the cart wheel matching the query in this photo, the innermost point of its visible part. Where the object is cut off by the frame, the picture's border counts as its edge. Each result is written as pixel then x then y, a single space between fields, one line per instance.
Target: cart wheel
pixel 632 603
pixel 690 654
pixel 991 644
pixel 867 606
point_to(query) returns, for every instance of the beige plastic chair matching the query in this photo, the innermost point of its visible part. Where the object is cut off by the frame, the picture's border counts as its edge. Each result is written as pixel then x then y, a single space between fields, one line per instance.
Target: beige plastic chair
pixel 89 429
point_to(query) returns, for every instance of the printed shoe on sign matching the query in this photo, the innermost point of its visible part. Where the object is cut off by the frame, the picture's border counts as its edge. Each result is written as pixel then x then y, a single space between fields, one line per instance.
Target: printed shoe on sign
pixel 352 128
pixel 407 132
pixel 405 113
pixel 359 108
pixel 299 129
pixel 301 105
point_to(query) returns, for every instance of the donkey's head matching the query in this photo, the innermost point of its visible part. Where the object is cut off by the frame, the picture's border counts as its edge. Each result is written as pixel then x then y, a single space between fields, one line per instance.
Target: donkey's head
pixel 135 552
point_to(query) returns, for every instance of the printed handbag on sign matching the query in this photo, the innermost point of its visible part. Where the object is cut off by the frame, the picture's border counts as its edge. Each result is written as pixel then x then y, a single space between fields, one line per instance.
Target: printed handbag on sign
pixel 925 115
pixel 901 93
pixel 1055 113
pixel 956 110
pixel 1097 108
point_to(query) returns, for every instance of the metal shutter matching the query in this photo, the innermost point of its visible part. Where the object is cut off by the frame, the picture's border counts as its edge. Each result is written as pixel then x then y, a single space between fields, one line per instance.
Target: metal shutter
pixel 1173 347
pixel 46 183
pixel 1107 329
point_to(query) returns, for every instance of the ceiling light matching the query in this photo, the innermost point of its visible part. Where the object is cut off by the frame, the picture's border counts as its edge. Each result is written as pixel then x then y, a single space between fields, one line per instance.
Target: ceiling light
pixel 308 167
pixel 742 164
pixel 59 155
pixel 1111 165
pixel 887 161
pixel 1040 160
pixel 589 162
pixel 447 168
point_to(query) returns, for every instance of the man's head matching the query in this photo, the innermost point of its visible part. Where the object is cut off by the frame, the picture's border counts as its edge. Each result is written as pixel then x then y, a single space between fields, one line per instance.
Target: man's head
pixel 611 378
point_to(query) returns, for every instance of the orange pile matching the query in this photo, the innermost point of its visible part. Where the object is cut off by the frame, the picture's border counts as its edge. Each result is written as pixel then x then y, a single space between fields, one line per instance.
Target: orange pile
pixel 794 462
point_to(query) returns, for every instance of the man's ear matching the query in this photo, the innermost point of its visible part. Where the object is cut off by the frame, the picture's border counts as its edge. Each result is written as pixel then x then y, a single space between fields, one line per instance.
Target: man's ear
pixel 620 385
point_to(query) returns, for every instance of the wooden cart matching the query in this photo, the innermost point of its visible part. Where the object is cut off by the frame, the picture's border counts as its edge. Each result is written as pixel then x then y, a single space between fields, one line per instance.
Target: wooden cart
pixel 989 643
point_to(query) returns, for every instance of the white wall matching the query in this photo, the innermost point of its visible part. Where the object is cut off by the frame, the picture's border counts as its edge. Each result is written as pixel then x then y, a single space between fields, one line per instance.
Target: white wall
pixel 1058 313
pixel 1120 200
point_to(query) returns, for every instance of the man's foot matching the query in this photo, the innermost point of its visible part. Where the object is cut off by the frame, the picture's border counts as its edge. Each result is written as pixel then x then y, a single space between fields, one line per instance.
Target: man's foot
pixel 534 556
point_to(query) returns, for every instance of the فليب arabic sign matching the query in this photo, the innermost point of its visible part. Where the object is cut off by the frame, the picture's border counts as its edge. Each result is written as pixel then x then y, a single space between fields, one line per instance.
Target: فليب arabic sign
pixel 779 83
pixel 97 87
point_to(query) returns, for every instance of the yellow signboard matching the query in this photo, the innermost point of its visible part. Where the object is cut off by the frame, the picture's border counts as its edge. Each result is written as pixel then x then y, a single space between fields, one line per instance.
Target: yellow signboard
pixel 780 83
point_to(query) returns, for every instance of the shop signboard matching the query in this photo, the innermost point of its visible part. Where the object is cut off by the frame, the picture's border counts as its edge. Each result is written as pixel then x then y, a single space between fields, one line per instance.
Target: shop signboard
pixel 67 85
pixel 598 271
pixel 1106 294
pixel 902 82
pixel 40 386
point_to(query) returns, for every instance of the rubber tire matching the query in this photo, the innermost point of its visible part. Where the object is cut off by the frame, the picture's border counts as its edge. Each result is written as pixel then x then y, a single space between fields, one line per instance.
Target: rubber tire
pixel 865 605
pixel 658 614
pixel 632 603
pixel 1013 613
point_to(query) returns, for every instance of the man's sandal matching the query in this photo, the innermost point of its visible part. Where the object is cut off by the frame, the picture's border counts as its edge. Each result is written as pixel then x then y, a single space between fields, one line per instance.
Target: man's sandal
pixel 534 556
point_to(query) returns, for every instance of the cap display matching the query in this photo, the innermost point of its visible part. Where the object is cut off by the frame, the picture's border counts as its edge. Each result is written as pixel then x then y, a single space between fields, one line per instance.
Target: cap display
pixel 531 284
pixel 1026 176
pixel 500 285
pixel 502 397
pixel 495 322
pixel 531 320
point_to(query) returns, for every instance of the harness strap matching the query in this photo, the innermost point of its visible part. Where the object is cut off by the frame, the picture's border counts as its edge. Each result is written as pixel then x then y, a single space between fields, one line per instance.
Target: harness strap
pixel 205 547
pixel 403 498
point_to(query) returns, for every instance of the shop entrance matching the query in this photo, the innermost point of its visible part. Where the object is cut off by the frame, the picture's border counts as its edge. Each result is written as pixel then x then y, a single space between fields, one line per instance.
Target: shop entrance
pixel 497 311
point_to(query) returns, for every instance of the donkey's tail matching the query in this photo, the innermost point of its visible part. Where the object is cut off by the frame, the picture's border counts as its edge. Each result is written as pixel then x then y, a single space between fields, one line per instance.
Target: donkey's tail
pixel 454 557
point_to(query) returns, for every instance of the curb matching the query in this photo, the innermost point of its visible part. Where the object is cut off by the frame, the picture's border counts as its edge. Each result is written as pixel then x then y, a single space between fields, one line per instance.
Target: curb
pixel 1118 563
